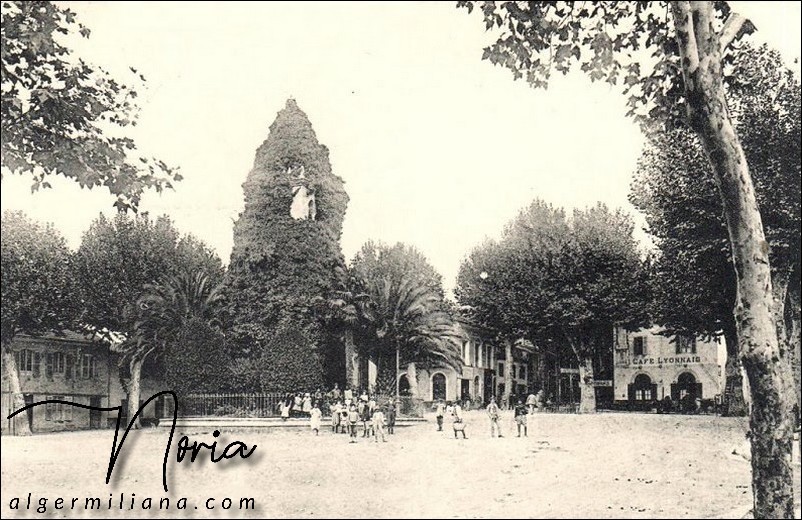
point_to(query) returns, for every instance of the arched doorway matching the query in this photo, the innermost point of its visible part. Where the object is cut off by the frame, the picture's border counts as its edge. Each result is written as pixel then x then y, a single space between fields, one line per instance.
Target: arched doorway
pixel 686 388
pixel 438 386
pixel 642 389
pixel 403 385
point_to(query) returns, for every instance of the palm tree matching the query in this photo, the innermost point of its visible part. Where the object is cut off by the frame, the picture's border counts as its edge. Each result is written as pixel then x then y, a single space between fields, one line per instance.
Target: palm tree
pixel 346 307
pixel 409 318
pixel 161 313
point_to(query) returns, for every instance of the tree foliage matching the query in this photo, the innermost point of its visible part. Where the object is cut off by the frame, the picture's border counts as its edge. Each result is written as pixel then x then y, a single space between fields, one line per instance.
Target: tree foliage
pixel 117 262
pixel 674 188
pixel 36 278
pixel 690 48
pixel 179 316
pixel 628 44
pixel 290 360
pixel 400 307
pixel 552 277
pixel 280 267
pixel 63 116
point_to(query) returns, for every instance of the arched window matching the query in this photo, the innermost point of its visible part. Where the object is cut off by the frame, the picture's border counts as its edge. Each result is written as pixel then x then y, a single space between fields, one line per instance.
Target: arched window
pixel 642 389
pixel 403 385
pixel 438 386
pixel 686 387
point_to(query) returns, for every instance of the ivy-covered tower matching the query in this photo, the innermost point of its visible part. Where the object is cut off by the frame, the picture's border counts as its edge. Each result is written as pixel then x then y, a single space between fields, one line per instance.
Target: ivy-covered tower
pixel 286 250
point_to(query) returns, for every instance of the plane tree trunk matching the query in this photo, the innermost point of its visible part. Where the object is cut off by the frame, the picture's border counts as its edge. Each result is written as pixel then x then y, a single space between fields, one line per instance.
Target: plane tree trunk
pixel 761 352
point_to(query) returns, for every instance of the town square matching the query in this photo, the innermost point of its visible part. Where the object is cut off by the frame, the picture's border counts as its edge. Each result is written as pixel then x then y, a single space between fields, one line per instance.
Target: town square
pixel 401 260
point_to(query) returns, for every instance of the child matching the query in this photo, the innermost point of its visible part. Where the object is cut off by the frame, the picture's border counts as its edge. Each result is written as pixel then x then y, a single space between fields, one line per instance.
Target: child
pixel 344 418
pixel 520 417
pixel 441 409
pixel 459 424
pixel 378 425
pixel 336 411
pixel 364 414
pixel 353 419
pixel 315 415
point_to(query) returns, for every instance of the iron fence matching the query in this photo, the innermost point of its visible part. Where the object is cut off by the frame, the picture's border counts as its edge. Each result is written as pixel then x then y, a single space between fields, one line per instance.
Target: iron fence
pixel 266 405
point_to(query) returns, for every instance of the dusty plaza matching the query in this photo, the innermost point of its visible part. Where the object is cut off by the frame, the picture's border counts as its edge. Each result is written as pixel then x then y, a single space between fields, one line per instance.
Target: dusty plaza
pixel 606 465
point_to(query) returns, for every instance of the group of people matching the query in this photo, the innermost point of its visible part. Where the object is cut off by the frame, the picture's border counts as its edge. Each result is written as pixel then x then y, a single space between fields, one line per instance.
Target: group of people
pixel 347 410
pixel 348 414
pixel 534 402
pixel 300 404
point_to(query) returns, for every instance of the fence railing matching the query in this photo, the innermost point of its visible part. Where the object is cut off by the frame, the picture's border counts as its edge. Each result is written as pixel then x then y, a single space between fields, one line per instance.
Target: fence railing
pixel 266 405
pixel 229 405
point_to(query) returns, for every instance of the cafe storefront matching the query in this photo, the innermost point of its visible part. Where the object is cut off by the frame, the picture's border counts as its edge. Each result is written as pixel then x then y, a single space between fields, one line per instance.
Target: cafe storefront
pixel 649 367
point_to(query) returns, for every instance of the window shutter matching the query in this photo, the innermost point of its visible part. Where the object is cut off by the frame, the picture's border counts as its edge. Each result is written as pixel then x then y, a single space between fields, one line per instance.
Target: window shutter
pixel 49 365
pixel 645 346
pixel 68 367
pixel 36 362
pixel 654 392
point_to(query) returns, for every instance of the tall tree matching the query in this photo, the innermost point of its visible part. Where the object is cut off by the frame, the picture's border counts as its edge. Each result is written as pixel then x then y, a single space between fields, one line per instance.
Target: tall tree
pixel 685 72
pixel 63 116
pixel 403 313
pixel 684 212
pixel 36 293
pixel 345 310
pixel 286 248
pixel 551 278
pixel 178 317
pixel 115 262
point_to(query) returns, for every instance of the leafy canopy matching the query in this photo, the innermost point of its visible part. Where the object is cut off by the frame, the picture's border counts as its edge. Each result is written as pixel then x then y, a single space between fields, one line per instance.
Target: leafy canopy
pixel 62 116
pixel 36 278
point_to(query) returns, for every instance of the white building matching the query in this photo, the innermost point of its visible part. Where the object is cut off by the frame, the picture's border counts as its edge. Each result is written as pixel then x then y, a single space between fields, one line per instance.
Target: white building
pixel 482 373
pixel 649 366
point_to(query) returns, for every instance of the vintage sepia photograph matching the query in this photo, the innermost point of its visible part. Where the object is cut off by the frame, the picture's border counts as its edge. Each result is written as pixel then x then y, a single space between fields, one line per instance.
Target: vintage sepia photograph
pixel 449 259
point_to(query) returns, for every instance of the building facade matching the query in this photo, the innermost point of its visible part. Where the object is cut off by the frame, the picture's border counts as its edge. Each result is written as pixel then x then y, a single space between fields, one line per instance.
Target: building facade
pixel 481 375
pixel 649 367
pixel 70 368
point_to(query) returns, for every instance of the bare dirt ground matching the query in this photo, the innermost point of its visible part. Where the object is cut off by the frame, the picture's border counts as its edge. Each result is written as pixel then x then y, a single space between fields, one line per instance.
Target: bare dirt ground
pixel 570 466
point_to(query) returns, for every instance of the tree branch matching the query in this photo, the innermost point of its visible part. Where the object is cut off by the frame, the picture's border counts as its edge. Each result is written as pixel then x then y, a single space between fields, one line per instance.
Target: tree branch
pixel 734 27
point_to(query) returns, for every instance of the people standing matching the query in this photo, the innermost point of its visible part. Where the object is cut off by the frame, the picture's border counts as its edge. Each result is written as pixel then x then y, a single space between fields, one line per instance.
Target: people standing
pixel 335 393
pixel 459 422
pixel 353 419
pixel 336 411
pixel 520 417
pixel 297 405
pixel 349 396
pixel 378 425
pixel 315 416
pixel 344 419
pixel 365 415
pixel 306 407
pixel 286 410
pixel 493 413
pixel 531 403
pixel 391 411
pixel 439 412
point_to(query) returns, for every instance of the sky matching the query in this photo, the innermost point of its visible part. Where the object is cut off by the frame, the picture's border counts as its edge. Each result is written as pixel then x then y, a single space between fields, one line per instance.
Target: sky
pixel 437 148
